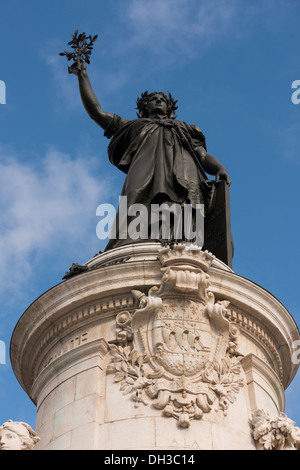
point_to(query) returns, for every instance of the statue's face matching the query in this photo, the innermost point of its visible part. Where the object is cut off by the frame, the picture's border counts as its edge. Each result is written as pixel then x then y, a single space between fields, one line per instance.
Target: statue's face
pixel 10 440
pixel 157 105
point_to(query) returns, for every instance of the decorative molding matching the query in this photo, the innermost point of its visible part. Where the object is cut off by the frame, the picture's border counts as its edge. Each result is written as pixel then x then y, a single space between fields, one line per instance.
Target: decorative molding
pixel 247 324
pixel 74 319
pixel 99 295
pixel 184 272
pixel 64 347
pixel 90 352
pixel 259 375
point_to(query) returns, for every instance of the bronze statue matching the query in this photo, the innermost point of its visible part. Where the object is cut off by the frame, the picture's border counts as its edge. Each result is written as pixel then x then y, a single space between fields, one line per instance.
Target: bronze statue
pixel 165 159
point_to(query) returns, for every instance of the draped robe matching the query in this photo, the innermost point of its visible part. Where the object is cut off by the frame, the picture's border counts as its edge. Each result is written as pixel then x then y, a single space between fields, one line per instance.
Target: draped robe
pixel 159 157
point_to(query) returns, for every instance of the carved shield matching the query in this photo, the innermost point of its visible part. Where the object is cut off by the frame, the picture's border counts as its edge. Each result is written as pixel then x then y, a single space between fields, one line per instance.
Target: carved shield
pixel 182 352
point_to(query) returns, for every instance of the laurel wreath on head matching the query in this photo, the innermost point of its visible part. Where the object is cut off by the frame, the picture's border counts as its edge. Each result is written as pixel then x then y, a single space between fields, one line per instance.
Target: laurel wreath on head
pixel 144 98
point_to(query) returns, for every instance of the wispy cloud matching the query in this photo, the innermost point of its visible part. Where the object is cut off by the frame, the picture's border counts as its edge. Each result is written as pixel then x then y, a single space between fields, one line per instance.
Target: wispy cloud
pixel 182 26
pixel 189 27
pixel 166 25
pixel 158 31
pixel 66 87
pixel 156 35
pixel 47 207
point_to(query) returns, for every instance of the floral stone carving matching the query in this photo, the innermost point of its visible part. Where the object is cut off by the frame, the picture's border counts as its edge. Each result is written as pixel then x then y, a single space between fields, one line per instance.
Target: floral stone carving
pixel 279 433
pixel 177 350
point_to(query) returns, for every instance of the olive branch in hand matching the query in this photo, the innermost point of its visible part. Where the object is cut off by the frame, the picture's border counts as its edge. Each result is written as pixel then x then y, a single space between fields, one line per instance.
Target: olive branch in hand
pixel 82 46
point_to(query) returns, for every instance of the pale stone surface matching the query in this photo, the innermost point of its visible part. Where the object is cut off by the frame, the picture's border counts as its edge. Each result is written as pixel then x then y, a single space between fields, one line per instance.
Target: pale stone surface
pixel 90 442
pixel 120 434
pixel 196 437
pixel 227 438
pixel 74 404
pixel 264 389
pixel 119 407
pixel 200 313
pixel 62 442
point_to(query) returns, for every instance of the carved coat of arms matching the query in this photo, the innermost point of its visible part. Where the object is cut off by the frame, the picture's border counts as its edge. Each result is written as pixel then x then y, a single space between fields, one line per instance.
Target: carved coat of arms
pixel 177 350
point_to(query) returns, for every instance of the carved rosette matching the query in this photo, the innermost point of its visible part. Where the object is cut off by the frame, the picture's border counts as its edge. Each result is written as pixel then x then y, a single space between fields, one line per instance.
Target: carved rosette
pixel 177 350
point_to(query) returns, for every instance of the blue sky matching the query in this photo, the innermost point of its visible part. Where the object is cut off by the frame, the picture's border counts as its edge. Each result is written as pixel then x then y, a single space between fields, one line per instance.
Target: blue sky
pixel 230 64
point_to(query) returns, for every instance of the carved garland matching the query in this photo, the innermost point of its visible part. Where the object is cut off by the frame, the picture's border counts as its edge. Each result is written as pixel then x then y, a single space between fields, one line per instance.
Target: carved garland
pixel 178 351
pixel 279 433
pixel 222 378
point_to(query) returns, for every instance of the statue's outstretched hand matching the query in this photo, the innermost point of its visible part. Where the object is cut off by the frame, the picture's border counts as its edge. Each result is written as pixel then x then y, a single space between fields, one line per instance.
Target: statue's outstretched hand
pixel 222 174
pixel 82 46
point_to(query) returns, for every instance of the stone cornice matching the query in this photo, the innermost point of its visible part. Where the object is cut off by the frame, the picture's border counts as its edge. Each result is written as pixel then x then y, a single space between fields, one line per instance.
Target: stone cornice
pixel 104 291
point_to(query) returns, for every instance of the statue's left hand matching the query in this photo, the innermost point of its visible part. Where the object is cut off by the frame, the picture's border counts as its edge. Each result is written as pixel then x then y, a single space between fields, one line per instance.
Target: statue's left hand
pixel 222 174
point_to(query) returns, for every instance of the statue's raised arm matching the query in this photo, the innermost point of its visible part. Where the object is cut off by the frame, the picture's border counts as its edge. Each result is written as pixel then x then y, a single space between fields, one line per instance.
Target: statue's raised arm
pixel 89 99
pixel 82 46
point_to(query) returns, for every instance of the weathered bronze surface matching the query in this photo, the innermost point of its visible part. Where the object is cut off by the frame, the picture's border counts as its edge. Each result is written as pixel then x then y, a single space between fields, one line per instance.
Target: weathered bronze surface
pixel 165 159
pixel 217 226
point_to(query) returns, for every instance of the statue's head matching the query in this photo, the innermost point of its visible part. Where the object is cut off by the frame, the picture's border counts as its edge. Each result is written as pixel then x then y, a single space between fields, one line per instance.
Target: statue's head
pixel 17 436
pixel 156 103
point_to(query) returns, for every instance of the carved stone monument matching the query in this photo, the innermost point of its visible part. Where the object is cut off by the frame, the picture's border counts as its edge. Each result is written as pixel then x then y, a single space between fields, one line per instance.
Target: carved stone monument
pixel 158 344
pixel 157 348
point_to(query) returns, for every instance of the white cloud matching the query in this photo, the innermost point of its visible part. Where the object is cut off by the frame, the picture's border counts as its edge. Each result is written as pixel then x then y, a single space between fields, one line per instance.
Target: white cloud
pixel 190 26
pixel 47 208
pixel 159 32
pixel 156 34
pixel 173 25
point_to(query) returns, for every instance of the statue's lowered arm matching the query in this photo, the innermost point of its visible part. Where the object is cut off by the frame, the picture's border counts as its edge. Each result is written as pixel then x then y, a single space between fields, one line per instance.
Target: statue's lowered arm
pixel 212 166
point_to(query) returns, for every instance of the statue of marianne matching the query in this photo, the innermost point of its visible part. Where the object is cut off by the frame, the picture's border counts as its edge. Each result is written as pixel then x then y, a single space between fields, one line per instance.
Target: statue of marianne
pixel 165 159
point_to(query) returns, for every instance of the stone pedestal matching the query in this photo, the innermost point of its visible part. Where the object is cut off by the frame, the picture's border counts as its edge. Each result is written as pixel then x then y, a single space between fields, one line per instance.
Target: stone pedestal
pixel 154 348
